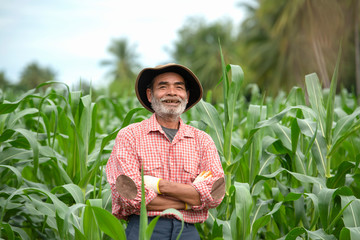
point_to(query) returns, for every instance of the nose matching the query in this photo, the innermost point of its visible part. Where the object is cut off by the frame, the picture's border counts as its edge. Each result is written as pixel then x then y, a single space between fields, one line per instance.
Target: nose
pixel 171 91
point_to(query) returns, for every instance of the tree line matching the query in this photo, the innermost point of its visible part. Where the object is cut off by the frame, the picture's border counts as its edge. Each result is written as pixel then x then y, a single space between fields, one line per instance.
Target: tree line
pixel 277 44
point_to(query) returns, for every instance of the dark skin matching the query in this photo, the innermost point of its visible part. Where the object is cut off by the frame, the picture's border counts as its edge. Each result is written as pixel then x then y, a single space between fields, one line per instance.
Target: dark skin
pixel 174 195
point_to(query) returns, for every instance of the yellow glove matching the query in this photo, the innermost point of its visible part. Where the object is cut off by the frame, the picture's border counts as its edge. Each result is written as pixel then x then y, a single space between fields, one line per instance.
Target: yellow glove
pixel 203 176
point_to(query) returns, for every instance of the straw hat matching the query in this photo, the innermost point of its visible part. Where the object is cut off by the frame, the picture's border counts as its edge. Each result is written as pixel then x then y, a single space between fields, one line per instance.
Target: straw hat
pixel 148 74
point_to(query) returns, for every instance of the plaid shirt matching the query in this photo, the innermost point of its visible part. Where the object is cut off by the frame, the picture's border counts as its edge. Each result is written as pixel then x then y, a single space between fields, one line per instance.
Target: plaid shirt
pixel 191 152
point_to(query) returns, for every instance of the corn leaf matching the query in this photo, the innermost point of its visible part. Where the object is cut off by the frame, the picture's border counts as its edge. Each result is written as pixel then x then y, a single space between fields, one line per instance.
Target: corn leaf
pixel 301 177
pixel 21 232
pixel 129 116
pixel 177 213
pixel 296 97
pixel 256 113
pixel 352 233
pixel 345 127
pixel 338 180
pixel 143 212
pixel 351 213
pixel 75 192
pixel 275 119
pixel 296 232
pixel 8 107
pixel 331 102
pixel 31 138
pixel 225 85
pixel 231 99
pixel 19 178
pixel 318 149
pixel 243 209
pixel 8 230
pixel 14 153
pixel 211 117
pixel 313 88
pixel 19 115
pixel 90 225
pixel 320 234
pixel 151 226
pixel 109 224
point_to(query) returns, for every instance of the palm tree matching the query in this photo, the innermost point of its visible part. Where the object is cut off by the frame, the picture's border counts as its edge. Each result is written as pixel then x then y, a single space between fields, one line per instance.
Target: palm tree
pixel 124 65
pixel 285 40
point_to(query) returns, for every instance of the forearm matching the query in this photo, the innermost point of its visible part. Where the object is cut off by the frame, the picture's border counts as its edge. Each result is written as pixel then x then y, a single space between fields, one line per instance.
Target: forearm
pixel 161 203
pixel 183 192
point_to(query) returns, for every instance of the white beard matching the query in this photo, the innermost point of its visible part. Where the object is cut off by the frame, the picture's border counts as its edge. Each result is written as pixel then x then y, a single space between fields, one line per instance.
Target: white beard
pixel 167 112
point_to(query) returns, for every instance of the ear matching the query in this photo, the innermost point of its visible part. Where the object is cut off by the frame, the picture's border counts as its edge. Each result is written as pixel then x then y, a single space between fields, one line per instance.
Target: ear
pixel 148 94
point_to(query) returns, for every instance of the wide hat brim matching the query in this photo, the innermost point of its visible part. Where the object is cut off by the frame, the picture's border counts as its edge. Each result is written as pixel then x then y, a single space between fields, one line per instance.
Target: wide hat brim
pixel 148 74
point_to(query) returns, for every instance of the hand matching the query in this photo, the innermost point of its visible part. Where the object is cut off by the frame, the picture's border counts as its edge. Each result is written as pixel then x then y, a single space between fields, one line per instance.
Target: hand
pixel 203 176
pixel 152 183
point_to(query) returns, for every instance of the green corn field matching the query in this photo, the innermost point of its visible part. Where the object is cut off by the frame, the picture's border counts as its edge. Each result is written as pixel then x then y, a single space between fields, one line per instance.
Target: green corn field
pixel 291 162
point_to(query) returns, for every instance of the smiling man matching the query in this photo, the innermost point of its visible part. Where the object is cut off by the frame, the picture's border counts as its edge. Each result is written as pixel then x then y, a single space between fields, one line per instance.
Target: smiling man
pixel 181 164
pixel 168 97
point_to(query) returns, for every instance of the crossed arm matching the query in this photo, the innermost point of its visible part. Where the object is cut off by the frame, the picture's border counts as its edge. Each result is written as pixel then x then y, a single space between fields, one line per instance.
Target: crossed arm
pixel 178 193
pixel 173 194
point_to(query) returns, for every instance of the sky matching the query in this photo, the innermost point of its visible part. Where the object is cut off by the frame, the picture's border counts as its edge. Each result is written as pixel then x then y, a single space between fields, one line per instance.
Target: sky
pixel 72 36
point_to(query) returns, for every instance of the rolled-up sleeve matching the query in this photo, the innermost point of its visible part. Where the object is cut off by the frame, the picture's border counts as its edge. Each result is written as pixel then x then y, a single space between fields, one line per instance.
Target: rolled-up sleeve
pixel 211 161
pixel 124 161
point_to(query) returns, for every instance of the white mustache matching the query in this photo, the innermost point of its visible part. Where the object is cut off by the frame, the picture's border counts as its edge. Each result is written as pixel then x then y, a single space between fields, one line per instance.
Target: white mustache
pixel 171 100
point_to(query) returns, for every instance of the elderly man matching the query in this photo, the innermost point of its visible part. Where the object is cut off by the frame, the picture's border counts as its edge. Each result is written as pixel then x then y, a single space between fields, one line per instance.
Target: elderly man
pixel 181 164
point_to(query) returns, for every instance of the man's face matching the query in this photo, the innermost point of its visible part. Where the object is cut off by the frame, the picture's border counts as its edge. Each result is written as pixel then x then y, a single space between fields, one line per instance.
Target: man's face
pixel 168 97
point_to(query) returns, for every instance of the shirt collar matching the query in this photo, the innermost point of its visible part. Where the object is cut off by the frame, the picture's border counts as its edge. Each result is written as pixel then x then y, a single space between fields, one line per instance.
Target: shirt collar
pixel 184 130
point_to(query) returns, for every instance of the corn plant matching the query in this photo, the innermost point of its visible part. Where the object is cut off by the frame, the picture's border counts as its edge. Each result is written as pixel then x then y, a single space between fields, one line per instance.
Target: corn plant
pixel 52 158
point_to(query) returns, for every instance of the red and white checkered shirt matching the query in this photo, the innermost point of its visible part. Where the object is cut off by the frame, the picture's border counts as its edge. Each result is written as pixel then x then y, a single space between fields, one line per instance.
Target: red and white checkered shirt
pixel 191 152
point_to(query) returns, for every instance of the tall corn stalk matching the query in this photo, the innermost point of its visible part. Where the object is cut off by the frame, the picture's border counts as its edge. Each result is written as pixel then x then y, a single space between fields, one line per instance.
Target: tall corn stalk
pixel 222 132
